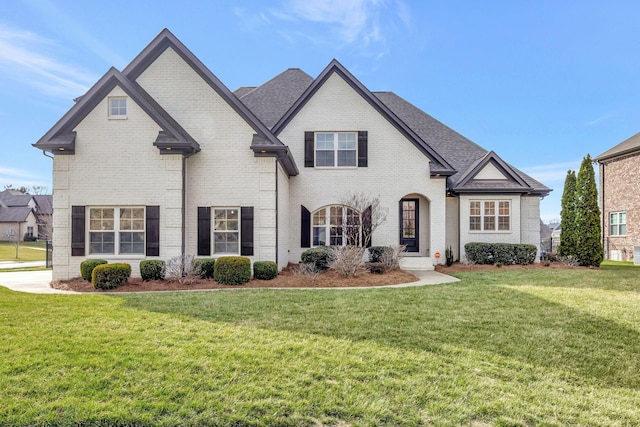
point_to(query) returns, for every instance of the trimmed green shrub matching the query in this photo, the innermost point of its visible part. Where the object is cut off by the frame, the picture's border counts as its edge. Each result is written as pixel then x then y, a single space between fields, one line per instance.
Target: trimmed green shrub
pixel 320 257
pixel 448 254
pixel 206 266
pixel 110 276
pixel 265 270
pixel 87 266
pixel 232 270
pixel 152 269
pixel 500 253
pixel 376 267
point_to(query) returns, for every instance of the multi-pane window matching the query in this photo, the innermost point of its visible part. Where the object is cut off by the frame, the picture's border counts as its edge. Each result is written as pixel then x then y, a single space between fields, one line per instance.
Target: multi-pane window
pixel 489 215
pixel 117 107
pixel 115 231
pixel 617 223
pixel 336 226
pixel 226 230
pixel 336 149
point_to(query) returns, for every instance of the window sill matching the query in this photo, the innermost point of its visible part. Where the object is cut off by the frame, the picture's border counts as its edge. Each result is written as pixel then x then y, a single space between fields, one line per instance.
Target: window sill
pixel 112 256
pixel 335 167
pixel 118 117
pixel 490 232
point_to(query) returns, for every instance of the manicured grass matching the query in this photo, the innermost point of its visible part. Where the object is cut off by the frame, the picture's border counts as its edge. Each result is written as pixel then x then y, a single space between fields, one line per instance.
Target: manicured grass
pixel 28 251
pixel 502 347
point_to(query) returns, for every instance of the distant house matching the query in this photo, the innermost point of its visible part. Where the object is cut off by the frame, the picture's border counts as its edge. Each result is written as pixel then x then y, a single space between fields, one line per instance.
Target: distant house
pixel 25 216
pixel 161 160
pixel 620 198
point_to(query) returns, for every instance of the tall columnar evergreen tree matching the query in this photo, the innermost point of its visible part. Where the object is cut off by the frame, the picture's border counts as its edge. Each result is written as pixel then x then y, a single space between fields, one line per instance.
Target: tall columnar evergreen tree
pixel 589 248
pixel 568 232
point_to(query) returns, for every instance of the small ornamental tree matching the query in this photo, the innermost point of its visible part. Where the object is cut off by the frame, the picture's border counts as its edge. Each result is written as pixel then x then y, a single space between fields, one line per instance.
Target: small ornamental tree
pixel 589 246
pixel 368 216
pixel 568 232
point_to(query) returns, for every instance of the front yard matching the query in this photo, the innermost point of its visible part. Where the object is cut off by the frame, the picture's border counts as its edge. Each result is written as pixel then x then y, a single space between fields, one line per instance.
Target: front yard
pixel 501 347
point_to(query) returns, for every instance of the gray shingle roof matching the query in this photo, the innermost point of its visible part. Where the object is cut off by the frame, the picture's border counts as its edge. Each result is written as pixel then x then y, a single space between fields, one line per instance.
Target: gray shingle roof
pixel 10 198
pixel 14 214
pixel 45 203
pixel 272 99
pixel 627 146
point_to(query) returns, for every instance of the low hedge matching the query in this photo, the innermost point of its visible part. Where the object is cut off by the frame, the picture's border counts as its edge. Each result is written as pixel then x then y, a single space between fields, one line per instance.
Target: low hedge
pixel 265 270
pixel 152 269
pixel 110 276
pixel 500 253
pixel 87 266
pixel 320 257
pixel 206 267
pixel 232 270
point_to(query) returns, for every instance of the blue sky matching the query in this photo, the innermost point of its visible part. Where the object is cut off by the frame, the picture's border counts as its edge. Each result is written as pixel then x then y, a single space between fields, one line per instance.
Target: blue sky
pixel 542 83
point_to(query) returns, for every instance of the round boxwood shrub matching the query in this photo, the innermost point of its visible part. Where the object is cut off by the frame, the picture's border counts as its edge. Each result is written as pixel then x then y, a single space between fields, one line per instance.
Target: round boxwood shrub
pixel 320 257
pixel 265 270
pixel 87 266
pixel 152 269
pixel 232 270
pixel 110 276
pixel 206 266
pixel 376 253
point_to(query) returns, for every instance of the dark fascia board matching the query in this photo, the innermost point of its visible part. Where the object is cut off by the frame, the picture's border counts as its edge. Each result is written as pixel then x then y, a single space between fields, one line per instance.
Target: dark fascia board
pixel 60 139
pixel 501 165
pixel 165 40
pixel 605 158
pixel 281 152
pixel 445 169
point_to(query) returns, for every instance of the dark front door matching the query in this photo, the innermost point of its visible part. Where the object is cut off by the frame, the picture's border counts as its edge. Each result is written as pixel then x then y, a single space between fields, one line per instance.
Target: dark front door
pixel 409 235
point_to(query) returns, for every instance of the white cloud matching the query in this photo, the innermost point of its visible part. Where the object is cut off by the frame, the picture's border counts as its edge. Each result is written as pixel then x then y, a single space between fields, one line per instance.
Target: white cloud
pixel 364 24
pixel 25 59
pixel 601 119
pixel 20 177
pixel 552 173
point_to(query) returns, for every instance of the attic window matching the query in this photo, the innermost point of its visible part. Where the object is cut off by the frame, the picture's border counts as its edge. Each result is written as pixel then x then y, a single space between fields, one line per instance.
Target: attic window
pixel 117 107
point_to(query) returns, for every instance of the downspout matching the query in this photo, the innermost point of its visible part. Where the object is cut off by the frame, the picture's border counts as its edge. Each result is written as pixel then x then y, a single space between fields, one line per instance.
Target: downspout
pixel 603 211
pixel 184 205
pixel 277 211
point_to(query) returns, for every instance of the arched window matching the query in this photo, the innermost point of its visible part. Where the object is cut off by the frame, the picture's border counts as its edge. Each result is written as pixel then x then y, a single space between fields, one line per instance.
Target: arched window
pixel 336 225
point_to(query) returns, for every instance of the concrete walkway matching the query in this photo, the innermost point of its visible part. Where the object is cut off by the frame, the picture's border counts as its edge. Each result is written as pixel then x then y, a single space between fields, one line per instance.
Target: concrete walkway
pixel 37 282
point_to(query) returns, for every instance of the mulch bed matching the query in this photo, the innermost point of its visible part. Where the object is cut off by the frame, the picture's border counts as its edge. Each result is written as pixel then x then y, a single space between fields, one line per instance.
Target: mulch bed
pixel 286 279
pixel 458 267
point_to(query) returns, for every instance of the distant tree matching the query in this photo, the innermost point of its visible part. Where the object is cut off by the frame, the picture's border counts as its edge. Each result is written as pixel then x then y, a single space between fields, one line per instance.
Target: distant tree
pixel 38 189
pixel 568 232
pixel 589 246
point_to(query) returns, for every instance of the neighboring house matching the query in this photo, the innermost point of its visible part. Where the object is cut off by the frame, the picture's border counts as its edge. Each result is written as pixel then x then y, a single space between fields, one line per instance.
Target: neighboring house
pixel 162 159
pixel 545 238
pixel 620 198
pixel 556 231
pixel 24 215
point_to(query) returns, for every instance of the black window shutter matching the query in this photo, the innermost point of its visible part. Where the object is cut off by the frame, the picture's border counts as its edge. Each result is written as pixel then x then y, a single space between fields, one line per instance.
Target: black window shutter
pixel 305 228
pixel 204 230
pixel 246 230
pixel 366 225
pixel 362 149
pixel 308 149
pixel 153 231
pixel 77 230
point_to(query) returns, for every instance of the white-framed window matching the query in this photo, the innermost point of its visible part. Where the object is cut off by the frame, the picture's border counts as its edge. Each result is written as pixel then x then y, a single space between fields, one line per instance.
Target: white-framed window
pixel 336 149
pixel 226 230
pixel 30 232
pixel 116 231
pixel 617 223
pixel 118 107
pixel 489 215
pixel 335 225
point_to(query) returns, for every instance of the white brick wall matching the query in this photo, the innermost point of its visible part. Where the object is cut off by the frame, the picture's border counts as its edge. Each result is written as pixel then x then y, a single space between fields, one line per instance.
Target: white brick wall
pixel 115 164
pixel 395 167
pixel 225 172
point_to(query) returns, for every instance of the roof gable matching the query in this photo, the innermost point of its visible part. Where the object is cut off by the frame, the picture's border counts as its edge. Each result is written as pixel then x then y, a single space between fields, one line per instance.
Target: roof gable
pixel 264 143
pixel 481 177
pixel 439 166
pixel 60 139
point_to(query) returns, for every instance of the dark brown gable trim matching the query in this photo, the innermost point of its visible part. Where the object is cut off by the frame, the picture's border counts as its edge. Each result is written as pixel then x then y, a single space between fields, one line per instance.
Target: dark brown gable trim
pixel 308 149
pixel 246 230
pixel 305 228
pixel 153 230
pixel 77 230
pixel 362 149
pixel 204 231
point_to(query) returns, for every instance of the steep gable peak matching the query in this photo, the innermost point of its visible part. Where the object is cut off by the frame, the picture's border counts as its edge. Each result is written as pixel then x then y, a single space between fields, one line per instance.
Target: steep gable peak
pixel 491 172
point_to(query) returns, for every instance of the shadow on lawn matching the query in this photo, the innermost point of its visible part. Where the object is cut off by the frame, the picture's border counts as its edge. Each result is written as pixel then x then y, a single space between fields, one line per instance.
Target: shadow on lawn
pixel 472 316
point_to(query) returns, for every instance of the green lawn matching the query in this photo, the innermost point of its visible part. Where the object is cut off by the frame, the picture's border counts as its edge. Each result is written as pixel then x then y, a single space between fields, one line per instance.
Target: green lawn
pixel 27 251
pixel 505 348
